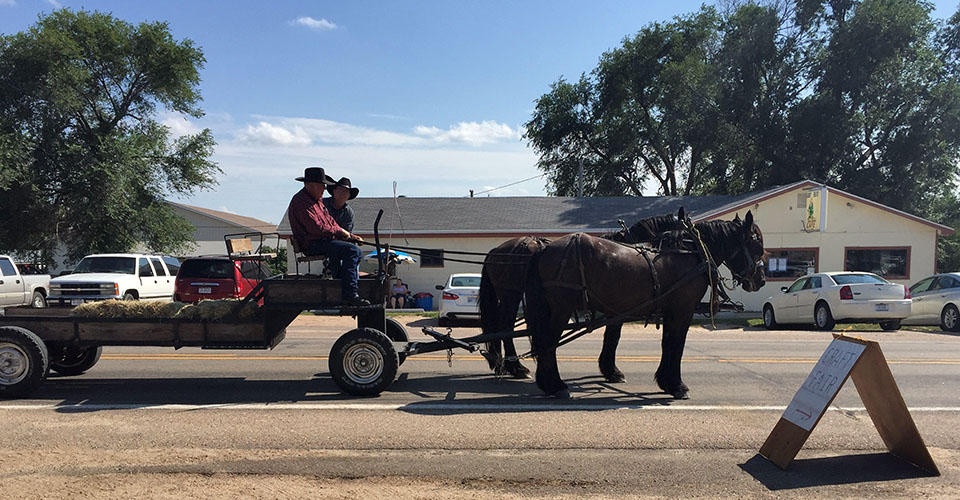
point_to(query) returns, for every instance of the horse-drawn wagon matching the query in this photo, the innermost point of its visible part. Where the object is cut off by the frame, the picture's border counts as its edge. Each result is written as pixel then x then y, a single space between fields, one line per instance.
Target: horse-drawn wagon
pixel 365 360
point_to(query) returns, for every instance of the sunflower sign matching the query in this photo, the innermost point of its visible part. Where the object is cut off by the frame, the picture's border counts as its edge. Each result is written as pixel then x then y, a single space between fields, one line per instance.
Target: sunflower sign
pixel 812 220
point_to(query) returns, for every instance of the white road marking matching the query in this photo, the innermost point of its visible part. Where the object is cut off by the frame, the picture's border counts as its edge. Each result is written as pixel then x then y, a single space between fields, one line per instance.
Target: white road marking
pixel 428 407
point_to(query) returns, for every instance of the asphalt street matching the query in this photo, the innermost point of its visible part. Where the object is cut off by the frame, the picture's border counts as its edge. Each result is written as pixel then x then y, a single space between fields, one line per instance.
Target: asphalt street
pixel 279 413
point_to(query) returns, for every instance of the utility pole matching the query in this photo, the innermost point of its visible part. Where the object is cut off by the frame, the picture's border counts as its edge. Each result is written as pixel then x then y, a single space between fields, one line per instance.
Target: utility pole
pixel 471 193
pixel 580 179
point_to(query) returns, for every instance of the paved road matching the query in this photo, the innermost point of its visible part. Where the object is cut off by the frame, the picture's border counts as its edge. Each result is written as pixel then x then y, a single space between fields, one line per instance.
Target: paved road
pixel 278 413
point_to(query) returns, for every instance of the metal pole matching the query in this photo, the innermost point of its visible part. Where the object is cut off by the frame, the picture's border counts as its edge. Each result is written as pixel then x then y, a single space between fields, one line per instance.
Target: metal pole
pixel 580 179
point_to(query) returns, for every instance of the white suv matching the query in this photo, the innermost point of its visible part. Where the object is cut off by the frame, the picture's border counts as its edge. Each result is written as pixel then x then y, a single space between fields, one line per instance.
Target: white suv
pixel 116 276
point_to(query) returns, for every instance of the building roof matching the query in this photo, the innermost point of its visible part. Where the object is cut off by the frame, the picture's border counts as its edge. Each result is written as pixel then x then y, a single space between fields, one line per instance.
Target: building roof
pixel 241 221
pixel 551 215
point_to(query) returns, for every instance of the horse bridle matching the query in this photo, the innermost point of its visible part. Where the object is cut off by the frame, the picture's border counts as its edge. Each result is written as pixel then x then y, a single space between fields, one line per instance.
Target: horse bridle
pixel 756 267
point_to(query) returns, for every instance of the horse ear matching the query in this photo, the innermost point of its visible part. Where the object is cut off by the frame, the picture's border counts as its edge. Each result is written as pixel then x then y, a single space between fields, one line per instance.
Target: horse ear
pixel 736 218
pixel 681 214
pixel 748 220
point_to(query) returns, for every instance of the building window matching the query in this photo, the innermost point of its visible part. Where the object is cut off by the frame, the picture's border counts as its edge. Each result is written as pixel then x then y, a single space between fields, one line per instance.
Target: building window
pixel 431 258
pixel 790 263
pixel 889 262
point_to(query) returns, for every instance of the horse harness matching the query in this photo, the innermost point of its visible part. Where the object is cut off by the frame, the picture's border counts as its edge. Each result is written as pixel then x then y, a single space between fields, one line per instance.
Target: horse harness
pixel 572 252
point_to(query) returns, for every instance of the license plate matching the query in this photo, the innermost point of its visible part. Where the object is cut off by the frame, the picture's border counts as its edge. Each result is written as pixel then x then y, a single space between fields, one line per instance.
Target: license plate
pixel 76 302
pixel 883 307
pixel 204 289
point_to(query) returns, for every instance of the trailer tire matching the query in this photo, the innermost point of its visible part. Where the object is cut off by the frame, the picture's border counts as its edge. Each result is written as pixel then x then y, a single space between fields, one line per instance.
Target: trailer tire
pixel 397 333
pixel 363 362
pixel 24 361
pixel 73 360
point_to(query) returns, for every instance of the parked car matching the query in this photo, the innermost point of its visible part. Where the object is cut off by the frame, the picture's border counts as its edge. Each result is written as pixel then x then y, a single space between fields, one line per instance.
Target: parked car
pixel 21 289
pixel 459 298
pixel 828 298
pixel 217 277
pixel 936 301
pixel 116 276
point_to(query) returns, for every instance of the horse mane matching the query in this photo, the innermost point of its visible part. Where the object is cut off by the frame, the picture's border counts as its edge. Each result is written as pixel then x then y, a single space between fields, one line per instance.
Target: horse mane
pixel 714 233
pixel 646 230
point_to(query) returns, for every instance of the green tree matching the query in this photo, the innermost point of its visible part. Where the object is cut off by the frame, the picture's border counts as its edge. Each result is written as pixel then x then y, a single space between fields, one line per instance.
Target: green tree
pixel 83 158
pixel 644 112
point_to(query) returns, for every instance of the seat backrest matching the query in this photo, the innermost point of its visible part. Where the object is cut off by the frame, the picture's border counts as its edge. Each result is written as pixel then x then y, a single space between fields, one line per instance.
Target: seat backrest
pixel 239 246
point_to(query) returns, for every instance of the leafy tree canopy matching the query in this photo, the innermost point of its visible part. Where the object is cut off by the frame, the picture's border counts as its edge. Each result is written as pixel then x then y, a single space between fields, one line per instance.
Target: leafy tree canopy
pixel 863 95
pixel 84 160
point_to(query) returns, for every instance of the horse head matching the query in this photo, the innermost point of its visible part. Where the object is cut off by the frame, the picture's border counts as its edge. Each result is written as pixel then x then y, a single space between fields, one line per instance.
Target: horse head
pixel 746 262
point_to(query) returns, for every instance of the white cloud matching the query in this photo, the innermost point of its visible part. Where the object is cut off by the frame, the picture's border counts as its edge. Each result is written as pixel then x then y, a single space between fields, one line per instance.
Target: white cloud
pixel 179 125
pixel 267 134
pixel 314 24
pixel 55 4
pixel 303 131
pixel 224 208
pixel 8 3
pixel 485 132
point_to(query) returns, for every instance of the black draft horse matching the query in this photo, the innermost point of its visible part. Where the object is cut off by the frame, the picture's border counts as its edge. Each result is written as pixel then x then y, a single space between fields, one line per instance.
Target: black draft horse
pixel 502 285
pixel 582 272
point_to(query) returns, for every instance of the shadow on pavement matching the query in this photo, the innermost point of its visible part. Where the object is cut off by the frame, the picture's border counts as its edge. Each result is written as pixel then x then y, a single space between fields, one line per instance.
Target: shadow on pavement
pixel 846 469
pixel 454 393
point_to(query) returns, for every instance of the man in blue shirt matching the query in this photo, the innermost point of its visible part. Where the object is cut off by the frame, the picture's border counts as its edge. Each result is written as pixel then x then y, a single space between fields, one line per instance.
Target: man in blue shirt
pixel 336 203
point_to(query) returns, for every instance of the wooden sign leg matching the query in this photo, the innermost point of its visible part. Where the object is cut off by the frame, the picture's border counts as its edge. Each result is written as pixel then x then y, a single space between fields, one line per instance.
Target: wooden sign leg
pixel 883 401
pixel 783 443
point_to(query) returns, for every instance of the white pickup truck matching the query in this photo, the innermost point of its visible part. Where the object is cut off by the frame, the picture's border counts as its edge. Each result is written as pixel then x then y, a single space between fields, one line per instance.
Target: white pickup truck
pixel 116 276
pixel 18 289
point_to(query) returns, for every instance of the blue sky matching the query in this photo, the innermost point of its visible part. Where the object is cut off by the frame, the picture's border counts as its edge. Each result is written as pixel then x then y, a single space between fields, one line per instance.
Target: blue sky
pixel 430 94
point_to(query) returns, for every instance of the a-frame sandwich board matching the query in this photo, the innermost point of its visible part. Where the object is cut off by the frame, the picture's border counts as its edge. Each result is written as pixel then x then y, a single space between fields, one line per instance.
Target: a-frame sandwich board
pixel 863 361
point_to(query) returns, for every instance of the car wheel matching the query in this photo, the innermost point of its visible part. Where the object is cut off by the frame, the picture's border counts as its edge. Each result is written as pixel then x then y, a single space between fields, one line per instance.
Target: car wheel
pixel 443 321
pixel 39 301
pixel 890 326
pixel 769 320
pixel 129 296
pixel 823 317
pixel 949 321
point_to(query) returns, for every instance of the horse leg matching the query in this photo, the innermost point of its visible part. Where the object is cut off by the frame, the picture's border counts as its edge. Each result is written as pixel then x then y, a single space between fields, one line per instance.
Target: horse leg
pixel 608 361
pixel 511 364
pixel 675 326
pixel 546 330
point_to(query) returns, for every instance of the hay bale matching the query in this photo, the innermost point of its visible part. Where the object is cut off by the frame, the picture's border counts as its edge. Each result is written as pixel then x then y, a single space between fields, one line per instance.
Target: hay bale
pixel 208 310
pixel 218 310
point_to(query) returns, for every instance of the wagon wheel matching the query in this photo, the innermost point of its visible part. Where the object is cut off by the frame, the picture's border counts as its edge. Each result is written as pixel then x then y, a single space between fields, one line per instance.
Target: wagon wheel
pixel 24 361
pixel 397 333
pixel 73 360
pixel 363 362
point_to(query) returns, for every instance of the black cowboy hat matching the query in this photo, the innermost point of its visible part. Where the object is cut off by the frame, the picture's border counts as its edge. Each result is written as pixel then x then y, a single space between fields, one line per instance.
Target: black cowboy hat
pixel 345 183
pixel 316 174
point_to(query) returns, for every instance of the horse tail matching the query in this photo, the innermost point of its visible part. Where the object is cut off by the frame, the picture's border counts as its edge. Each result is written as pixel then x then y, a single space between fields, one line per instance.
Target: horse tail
pixel 489 303
pixel 536 310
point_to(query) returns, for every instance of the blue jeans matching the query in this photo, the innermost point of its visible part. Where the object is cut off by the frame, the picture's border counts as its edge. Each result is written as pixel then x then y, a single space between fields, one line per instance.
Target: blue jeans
pixel 347 254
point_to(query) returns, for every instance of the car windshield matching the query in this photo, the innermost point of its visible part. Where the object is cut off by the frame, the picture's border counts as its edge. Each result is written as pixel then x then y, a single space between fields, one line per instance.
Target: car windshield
pixel 207 268
pixel 123 265
pixel 849 279
pixel 465 281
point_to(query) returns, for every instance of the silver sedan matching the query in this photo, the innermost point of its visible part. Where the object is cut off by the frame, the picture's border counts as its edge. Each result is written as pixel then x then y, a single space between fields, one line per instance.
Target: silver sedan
pixel 936 301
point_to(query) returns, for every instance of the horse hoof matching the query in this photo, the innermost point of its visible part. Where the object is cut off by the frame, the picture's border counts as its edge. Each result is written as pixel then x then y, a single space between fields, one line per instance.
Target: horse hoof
pixel 562 394
pixel 680 395
pixel 519 371
pixel 615 378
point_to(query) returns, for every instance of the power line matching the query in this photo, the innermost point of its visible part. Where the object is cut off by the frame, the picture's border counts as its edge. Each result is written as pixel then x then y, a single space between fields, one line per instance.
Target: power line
pixel 508 185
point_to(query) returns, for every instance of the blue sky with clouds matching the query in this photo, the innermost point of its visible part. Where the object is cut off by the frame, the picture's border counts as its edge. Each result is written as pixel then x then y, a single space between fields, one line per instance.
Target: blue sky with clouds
pixel 430 94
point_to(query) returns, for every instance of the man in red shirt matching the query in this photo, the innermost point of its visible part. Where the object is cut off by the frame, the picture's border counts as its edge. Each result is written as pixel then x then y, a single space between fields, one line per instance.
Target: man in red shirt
pixel 318 234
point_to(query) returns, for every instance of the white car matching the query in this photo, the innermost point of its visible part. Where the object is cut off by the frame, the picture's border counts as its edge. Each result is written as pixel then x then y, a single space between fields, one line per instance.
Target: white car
pixel 116 276
pixel 827 298
pixel 459 298
pixel 936 301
